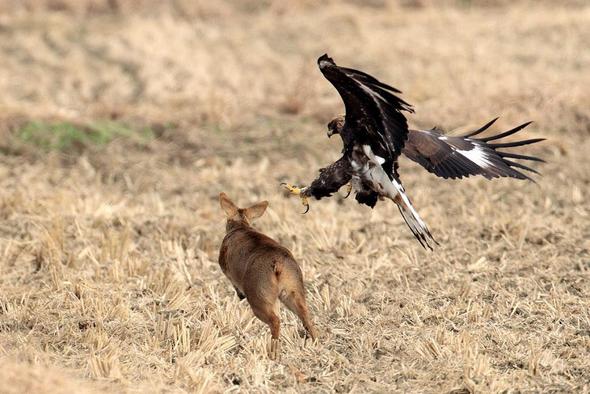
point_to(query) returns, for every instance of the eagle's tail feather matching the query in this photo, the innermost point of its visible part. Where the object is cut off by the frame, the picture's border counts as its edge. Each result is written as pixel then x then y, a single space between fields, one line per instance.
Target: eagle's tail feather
pixel 394 190
pixel 413 220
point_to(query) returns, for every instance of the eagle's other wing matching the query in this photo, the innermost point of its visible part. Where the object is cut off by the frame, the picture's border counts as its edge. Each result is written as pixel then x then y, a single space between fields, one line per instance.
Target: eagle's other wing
pixel 371 108
pixel 463 156
pixel 331 179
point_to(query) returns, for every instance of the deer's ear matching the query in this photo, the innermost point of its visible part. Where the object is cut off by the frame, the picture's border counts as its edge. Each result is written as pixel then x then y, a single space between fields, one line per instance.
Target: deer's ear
pixel 227 205
pixel 256 210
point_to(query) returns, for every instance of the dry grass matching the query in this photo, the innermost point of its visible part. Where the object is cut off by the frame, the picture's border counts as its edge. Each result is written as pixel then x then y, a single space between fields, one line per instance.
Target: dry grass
pixel 109 277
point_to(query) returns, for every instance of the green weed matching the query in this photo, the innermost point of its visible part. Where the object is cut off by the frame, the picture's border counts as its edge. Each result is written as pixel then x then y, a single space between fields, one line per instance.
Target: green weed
pixel 66 136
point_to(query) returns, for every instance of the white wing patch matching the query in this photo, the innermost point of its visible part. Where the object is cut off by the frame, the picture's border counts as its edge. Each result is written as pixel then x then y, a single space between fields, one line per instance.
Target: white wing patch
pixel 476 155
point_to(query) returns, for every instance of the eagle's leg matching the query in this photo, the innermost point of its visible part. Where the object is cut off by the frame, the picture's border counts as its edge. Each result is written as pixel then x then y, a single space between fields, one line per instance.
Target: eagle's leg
pixel 348 189
pixel 298 191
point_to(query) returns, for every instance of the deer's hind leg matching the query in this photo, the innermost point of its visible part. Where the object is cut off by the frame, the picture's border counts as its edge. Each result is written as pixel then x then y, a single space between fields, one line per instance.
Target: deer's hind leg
pixel 295 301
pixel 264 300
pixel 268 313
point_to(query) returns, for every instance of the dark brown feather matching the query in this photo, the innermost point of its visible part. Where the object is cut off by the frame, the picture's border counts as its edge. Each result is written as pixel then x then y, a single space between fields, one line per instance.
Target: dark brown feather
pixel 441 155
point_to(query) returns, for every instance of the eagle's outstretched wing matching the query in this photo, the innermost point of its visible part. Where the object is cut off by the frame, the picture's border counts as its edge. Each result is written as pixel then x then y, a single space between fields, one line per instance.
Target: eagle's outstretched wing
pixel 463 156
pixel 373 111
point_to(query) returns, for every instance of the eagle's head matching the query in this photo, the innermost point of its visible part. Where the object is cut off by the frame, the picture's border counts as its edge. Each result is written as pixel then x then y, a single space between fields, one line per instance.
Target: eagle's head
pixel 335 126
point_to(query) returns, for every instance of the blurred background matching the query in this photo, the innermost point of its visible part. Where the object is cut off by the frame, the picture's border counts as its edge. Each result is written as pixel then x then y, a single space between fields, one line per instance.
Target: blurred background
pixel 121 121
pixel 233 63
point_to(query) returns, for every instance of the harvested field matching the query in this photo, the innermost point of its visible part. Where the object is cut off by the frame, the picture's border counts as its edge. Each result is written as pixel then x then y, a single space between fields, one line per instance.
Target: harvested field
pixel 122 121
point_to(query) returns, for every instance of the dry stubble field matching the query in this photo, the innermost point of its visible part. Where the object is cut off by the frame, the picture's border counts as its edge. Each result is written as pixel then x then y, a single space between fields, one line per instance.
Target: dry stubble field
pixel 109 278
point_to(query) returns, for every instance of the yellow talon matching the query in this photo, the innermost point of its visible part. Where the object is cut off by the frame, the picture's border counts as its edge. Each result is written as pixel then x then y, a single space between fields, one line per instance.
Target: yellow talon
pixel 305 203
pixel 292 189
pixel 298 191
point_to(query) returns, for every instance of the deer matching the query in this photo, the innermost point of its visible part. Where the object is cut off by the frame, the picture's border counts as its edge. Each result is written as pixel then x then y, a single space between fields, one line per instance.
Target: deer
pixel 261 270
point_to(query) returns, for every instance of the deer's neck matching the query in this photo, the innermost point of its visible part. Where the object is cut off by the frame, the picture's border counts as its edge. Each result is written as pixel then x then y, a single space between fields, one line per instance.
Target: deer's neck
pixel 234 225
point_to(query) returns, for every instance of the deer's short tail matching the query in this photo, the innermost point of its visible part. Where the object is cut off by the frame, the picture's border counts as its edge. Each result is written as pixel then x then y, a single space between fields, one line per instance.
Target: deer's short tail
pixel 278 267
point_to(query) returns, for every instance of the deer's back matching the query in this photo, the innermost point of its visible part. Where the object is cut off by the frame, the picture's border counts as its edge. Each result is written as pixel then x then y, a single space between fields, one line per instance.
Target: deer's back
pixel 245 246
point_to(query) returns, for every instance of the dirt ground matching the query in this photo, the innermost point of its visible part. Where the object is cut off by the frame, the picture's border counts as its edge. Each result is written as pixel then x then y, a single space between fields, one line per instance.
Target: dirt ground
pixel 108 273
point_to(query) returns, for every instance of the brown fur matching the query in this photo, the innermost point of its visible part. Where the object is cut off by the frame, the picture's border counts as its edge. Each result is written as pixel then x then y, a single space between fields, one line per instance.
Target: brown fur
pixel 261 269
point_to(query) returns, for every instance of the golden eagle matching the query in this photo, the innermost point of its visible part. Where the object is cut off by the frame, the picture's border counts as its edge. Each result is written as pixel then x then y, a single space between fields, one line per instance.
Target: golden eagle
pixel 375 132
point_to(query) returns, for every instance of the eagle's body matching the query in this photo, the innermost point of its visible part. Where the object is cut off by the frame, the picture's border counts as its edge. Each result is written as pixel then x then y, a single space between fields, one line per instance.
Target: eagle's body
pixel 375 133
